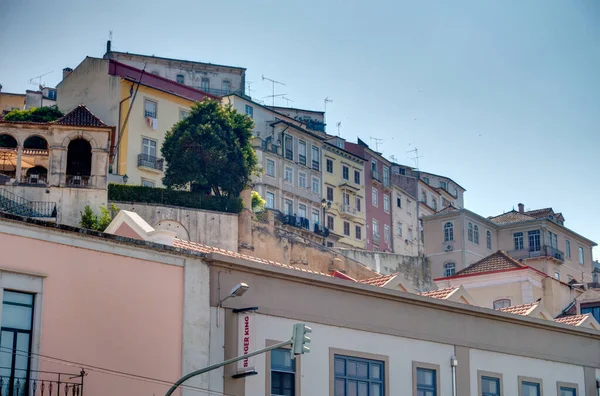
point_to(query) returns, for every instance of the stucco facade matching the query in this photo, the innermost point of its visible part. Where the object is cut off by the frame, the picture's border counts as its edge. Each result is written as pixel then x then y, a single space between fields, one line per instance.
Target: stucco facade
pixel 11 101
pixel 406 225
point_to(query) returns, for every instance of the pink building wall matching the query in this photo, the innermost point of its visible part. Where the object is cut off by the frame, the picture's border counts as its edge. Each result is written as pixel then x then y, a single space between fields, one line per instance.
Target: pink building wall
pixel 105 310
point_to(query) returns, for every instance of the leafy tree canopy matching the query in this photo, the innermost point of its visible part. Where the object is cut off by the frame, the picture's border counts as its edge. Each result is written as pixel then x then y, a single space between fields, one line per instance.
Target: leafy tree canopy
pixel 42 114
pixel 211 147
pixel 258 203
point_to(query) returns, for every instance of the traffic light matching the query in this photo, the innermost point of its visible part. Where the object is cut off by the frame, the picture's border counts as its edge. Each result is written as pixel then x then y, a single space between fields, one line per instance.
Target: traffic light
pixel 300 339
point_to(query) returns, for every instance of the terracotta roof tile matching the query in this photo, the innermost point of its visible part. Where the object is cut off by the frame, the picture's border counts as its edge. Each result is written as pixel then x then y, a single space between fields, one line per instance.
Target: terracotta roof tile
pixel 572 320
pixel 448 209
pixel 510 217
pixel 197 247
pixel 589 295
pixel 379 281
pixel 522 309
pixel 539 213
pixel 80 116
pixel 498 261
pixel 441 294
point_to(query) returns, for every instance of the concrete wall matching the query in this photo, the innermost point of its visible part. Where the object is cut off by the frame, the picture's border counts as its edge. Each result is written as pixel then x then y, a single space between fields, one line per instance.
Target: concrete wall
pixel 203 226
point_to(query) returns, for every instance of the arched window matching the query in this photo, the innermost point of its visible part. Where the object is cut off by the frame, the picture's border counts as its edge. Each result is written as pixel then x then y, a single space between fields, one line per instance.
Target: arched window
pixel 79 162
pixel 502 303
pixel 449 269
pixel 36 142
pixel 476 234
pixel 36 175
pixel 470 232
pixel 8 157
pixel 488 240
pixel 434 203
pixel 448 232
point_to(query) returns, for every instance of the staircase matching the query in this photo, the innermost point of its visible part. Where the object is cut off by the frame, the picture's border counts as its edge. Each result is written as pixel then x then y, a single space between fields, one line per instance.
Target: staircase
pixel 14 204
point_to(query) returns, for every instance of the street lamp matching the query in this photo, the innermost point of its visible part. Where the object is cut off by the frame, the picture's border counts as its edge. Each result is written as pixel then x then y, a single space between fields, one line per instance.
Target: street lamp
pixel 325 204
pixel 125 178
pixel 238 290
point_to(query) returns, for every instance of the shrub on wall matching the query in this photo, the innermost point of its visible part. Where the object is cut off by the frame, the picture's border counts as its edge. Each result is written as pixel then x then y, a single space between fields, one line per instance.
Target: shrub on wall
pixel 165 196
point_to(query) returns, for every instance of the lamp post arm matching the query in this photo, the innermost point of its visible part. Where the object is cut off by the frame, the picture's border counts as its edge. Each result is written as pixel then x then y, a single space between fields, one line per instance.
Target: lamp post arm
pixel 226 362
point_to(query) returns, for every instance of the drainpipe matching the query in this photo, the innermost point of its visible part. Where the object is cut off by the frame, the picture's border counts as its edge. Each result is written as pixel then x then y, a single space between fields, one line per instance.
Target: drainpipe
pixel 114 145
pixel 453 364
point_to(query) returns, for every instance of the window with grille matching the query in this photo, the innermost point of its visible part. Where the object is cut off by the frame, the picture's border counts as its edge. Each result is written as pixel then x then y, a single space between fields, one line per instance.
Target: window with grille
pixel 355 376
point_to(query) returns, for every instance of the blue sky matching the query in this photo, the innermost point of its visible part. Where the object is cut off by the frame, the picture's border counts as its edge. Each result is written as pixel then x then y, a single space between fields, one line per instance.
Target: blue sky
pixel 502 96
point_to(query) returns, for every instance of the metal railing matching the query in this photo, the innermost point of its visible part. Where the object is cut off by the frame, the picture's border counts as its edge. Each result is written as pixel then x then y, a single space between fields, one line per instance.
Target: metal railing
pixel 375 175
pixel 41 383
pixel 315 165
pixel 150 161
pixel 78 176
pixel 320 230
pixel 296 221
pixel 220 92
pixel 12 203
pixel 35 179
pixel 348 210
pixel 386 183
pixel 538 251
pixel 302 159
pixel 289 154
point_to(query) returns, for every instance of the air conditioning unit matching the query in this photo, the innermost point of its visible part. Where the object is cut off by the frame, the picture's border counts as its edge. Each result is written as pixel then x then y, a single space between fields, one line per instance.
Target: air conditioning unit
pixel 449 247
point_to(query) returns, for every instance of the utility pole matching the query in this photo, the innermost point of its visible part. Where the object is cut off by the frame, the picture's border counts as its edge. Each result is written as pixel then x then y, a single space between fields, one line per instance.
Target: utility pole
pixel 300 343
pixel 273 82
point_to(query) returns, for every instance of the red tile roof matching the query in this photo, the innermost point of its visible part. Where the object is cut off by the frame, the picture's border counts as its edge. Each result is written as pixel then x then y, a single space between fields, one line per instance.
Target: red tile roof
pixel 440 294
pixel 511 217
pixel 448 209
pixel 539 213
pixel 572 320
pixel 80 116
pixel 379 281
pixel 522 309
pixel 498 261
pixel 197 247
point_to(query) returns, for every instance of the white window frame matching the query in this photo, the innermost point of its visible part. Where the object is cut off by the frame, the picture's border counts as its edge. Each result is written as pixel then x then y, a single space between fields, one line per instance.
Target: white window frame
pixel 568 248
pixel 358 204
pixel 301 177
pixel 386 233
pixel 386 203
pixel 374 197
pixel 581 254
pixel 318 184
pixel 151 114
pixel 270 161
pixel 144 145
pixel 449 269
pixel 289 175
pixel 399 229
pixel 270 194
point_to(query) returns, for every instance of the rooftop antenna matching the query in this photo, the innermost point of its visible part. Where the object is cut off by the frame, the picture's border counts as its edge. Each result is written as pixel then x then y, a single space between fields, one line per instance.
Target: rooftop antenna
pixel 273 82
pixel 377 143
pixel 393 158
pixel 288 100
pixel 250 86
pixel 325 101
pixel 110 35
pixel 338 125
pixel 415 151
pixel 39 79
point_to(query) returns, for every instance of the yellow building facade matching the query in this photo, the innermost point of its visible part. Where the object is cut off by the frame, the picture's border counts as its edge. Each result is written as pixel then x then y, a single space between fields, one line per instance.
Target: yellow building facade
pixel 11 101
pixel 344 187
pixel 153 114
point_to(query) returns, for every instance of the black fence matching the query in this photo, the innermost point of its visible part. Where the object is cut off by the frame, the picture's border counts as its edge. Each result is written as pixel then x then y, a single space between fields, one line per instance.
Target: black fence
pixel 150 161
pixel 41 383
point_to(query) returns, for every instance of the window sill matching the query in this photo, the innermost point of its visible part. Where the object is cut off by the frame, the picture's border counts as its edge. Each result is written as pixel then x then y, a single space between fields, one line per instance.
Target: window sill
pixel 149 169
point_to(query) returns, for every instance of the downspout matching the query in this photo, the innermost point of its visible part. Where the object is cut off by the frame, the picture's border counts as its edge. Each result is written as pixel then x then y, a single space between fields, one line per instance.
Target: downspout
pixel 462 237
pixel 453 364
pixel 114 146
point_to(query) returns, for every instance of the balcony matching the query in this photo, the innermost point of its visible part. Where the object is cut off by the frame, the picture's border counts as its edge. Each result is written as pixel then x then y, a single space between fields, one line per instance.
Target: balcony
pixel 347 210
pixel 543 251
pixel 35 179
pixel 375 175
pixel 296 221
pixel 320 230
pixel 315 165
pixel 78 176
pixel 42 383
pixel 150 162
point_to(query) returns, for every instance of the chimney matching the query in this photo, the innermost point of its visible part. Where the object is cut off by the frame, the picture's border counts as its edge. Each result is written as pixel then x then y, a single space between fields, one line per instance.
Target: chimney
pixel 521 208
pixel 66 72
pixel 107 46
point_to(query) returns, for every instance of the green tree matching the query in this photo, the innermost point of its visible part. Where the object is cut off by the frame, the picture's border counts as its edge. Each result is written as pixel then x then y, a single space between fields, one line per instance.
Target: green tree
pixel 98 223
pixel 258 203
pixel 211 148
pixel 42 114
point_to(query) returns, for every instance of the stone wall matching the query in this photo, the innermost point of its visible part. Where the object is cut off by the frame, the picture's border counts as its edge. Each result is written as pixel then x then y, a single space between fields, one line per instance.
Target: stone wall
pixel 417 269
pixel 217 229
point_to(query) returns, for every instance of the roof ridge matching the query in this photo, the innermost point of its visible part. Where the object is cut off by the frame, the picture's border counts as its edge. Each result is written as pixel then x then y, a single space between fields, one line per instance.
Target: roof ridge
pixel 80 116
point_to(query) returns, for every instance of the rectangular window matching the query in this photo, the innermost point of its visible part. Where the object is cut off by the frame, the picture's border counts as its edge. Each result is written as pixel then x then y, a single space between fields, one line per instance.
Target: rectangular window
pixel 250 111
pixel 386 234
pixel 568 248
pixel 302 152
pixel 147 183
pixel 345 198
pixel 386 203
pixel 316 183
pixel 552 240
pixel 399 202
pixel 443 185
pixel 376 231
pixel 374 196
pixel 330 222
pixel 226 86
pixel 358 232
pixel 330 193
pixel 426 180
pixel 288 143
pixel 271 168
pixel 149 108
pixel 490 384
pixel 386 176
pixel 316 159
pixel 180 79
pixel 358 204
pixel 288 208
pixel 183 114
pixel 595 311
pixel 345 172
pixel 149 148
pixel 15 334
pixel 518 238
pixel 346 228
pixel 329 165
pixel 399 229
pixel 289 175
pixel 358 377
pixel 283 373
pixel 357 177
pixel 408 201
pixel 529 387
pixel 302 179
pixel 373 165
pixel 567 390
pixel 205 84
pixel 581 257
pixel 270 200
pixel 534 240
pixel 302 211
pixel 315 216
pixel 426 381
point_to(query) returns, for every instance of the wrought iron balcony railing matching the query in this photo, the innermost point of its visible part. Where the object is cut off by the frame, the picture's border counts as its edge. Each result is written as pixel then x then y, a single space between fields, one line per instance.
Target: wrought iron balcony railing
pixel 41 383
pixel 375 175
pixel 347 209
pixel 538 251
pixel 150 161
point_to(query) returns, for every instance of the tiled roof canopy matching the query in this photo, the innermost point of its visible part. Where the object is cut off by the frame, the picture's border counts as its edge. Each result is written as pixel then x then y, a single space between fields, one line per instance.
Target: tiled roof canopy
pixel 572 320
pixel 448 209
pixel 441 294
pixel 80 116
pixel 522 309
pixel 379 281
pixel 511 217
pixel 498 261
